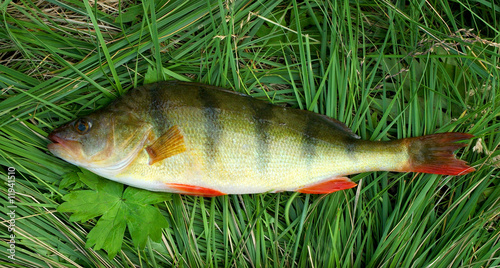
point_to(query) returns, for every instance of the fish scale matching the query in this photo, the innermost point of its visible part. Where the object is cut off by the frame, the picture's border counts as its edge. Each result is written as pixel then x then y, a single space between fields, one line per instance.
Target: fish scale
pixel 197 139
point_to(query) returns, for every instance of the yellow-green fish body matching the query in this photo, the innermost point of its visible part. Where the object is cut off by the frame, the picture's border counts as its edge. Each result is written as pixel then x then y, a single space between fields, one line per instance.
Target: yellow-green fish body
pixel 197 139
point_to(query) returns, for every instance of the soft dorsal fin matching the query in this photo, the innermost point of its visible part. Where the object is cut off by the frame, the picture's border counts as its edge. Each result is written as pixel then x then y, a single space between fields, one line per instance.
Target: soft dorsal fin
pixel 339 125
pixel 169 144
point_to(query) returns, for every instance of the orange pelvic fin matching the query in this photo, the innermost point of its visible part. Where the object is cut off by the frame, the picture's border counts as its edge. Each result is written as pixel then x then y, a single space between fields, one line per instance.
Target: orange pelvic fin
pixel 169 144
pixel 434 154
pixel 194 190
pixel 329 186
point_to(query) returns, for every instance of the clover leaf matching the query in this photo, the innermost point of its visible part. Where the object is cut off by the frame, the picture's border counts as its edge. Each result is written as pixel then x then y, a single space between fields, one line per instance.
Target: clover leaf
pixel 118 210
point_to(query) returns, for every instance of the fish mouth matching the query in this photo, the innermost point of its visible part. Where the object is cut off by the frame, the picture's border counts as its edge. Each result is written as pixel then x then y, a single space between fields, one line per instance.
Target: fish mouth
pixel 60 144
pixel 56 140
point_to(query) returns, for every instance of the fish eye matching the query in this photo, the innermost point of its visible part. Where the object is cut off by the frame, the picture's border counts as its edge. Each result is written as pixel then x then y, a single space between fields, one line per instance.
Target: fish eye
pixel 82 126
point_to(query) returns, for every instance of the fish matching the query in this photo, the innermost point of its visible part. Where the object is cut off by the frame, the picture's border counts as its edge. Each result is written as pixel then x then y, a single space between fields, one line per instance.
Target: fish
pixel 196 139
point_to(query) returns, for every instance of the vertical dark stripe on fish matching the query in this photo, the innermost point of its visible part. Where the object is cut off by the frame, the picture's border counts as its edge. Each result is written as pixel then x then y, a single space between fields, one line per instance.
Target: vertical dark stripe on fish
pixel 309 141
pixel 213 127
pixel 350 146
pixel 158 110
pixel 262 116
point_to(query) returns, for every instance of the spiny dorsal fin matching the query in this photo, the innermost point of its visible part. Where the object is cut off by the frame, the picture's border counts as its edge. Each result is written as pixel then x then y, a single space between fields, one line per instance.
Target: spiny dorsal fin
pixel 169 144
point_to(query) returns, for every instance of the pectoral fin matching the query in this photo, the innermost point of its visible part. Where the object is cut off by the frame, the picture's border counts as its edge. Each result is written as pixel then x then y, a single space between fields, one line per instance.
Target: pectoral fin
pixel 329 186
pixel 169 144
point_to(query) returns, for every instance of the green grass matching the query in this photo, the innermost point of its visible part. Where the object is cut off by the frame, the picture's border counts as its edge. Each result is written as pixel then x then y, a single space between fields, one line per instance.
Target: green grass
pixel 388 70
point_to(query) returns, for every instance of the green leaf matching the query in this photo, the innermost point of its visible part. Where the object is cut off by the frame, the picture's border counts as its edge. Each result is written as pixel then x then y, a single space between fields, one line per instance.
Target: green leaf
pixel 69 179
pixel 141 196
pixel 140 216
pixel 88 178
pixel 88 204
pixel 108 232
pixel 118 209
pixel 150 76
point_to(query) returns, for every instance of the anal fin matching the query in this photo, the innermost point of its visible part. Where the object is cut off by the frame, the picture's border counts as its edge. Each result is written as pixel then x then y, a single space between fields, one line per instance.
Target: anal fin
pixel 332 185
pixel 169 144
pixel 194 190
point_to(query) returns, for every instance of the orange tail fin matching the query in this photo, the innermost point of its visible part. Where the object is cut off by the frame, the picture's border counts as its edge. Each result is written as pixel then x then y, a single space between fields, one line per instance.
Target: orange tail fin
pixel 434 154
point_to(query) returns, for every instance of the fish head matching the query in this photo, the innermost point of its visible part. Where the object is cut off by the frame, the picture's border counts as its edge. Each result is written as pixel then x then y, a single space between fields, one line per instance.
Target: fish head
pixel 107 141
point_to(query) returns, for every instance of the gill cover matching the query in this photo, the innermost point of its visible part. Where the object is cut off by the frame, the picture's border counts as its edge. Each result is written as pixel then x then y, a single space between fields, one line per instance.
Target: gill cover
pixel 104 142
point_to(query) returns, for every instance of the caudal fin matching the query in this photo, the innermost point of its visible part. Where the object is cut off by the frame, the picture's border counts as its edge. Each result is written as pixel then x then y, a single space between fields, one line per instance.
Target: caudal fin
pixel 434 154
